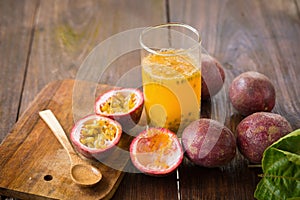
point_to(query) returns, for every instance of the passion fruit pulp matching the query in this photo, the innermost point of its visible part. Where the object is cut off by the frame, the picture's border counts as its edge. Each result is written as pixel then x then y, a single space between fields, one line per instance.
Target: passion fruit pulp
pixel 124 105
pixel 156 151
pixel 94 136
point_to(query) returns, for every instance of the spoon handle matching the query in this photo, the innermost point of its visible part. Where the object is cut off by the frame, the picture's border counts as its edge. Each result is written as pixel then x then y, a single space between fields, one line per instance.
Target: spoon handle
pixel 54 125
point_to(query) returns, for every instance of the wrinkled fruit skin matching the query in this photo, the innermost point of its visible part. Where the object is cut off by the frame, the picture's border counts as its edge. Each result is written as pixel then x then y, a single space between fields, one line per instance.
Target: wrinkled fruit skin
pixel 258 131
pixel 208 143
pixel 213 76
pixel 252 92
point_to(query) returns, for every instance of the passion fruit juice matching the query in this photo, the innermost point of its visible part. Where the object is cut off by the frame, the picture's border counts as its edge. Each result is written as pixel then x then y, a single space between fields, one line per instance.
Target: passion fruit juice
pixel 172 89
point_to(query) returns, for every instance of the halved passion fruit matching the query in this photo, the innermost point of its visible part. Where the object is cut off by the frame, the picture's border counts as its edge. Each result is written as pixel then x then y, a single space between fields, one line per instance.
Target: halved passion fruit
pixel 156 151
pixel 94 135
pixel 123 105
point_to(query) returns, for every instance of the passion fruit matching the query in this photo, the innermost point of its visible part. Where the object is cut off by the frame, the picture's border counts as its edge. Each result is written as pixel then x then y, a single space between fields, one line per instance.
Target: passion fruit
pixel 124 105
pixel 213 76
pixel 208 143
pixel 252 92
pixel 258 131
pixel 94 136
pixel 156 151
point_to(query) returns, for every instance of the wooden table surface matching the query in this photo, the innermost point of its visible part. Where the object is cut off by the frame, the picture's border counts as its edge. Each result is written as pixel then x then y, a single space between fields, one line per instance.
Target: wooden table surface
pixel 43 41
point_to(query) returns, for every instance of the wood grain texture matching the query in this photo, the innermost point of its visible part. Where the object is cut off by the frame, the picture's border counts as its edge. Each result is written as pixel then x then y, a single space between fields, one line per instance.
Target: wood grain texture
pixel 34 165
pixel 243 35
pixel 43 41
pixel 140 186
pixel 16 22
pixel 251 35
pixel 67 31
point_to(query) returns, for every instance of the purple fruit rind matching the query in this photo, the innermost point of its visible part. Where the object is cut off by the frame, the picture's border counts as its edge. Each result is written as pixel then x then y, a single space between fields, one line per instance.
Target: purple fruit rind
pixel 258 131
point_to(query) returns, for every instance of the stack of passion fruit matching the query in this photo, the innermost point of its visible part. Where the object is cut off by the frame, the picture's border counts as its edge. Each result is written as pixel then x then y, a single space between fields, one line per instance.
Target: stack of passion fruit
pixel 206 142
pixel 253 95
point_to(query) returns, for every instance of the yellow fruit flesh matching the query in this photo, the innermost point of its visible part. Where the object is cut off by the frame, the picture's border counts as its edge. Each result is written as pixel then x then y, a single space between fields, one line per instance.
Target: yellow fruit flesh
pixel 118 103
pixel 172 89
pixel 155 143
pixel 97 134
pixel 152 151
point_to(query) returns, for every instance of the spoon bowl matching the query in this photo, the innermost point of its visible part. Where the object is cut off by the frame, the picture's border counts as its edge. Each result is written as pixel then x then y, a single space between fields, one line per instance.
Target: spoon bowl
pixel 82 172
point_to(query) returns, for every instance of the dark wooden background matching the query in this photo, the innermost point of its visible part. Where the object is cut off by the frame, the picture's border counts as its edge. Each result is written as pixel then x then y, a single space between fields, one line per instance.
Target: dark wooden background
pixel 43 41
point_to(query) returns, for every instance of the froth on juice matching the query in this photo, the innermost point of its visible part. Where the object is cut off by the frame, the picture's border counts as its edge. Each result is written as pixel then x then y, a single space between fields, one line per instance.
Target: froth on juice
pixel 172 89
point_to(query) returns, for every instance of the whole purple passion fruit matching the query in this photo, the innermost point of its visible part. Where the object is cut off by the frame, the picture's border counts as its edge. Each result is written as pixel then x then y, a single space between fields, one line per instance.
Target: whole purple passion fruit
pixel 258 131
pixel 213 76
pixel 252 92
pixel 208 143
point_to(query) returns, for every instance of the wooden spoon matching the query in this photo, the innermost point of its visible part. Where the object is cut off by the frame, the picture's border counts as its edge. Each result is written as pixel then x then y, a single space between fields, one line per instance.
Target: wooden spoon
pixel 82 172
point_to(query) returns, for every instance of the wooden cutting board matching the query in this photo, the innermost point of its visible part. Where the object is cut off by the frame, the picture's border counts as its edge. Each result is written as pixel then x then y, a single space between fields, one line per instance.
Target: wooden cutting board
pixel 34 165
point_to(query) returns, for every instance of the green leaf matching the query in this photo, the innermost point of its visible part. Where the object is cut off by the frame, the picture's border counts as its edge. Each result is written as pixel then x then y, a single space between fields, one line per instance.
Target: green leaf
pixel 281 168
